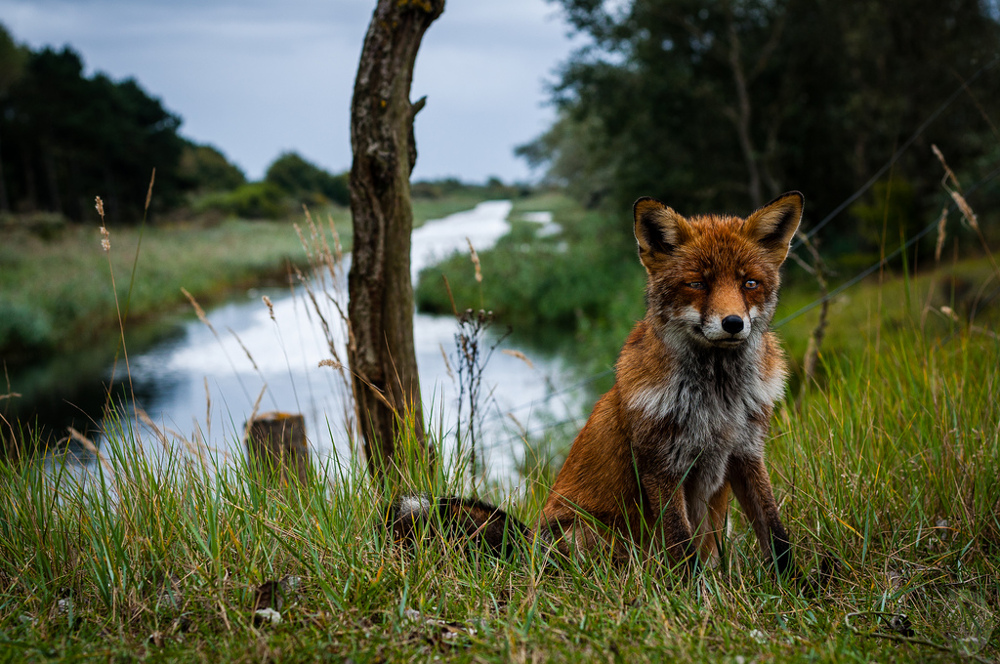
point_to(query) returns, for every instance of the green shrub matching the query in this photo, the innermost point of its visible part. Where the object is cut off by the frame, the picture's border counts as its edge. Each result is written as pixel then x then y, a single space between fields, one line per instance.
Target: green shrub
pixel 307 182
pixel 22 328
pixel 585 282
pixel 256 200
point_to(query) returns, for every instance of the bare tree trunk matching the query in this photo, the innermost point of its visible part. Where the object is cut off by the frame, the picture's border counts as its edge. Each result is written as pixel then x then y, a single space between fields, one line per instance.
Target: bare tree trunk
pixel 741 117
pixel 381 354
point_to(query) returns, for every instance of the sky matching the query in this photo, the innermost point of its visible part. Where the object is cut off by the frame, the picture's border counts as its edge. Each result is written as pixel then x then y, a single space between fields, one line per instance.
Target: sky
pixel 256 78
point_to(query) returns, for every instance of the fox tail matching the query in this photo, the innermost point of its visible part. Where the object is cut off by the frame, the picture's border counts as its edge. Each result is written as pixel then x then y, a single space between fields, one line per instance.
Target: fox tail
pixel 474 522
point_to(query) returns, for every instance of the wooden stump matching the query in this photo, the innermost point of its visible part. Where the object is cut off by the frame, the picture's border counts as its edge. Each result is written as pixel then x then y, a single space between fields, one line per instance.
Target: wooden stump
pixel 277 448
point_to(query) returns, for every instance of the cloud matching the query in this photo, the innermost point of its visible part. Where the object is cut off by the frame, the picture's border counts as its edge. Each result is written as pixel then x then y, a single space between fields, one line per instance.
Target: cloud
pixel 256 78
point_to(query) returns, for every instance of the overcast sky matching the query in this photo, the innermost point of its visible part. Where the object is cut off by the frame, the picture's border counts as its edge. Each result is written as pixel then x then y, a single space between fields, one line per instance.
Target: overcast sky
pixel 256 77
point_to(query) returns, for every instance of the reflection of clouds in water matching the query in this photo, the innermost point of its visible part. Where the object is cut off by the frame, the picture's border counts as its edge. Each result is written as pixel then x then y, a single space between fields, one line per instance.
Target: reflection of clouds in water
pixel 288 349
pixel 436 240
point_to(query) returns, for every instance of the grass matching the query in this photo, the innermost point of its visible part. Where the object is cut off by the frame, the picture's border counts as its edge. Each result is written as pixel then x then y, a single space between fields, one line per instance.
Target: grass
pixel 56 292
pixel 886 470
pixel 584 283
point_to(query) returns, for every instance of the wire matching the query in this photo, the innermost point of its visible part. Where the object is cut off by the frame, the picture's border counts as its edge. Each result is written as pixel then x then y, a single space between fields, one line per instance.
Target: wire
pixel 869 270
pixel 899 153
pixel 812 232
pixel 807 308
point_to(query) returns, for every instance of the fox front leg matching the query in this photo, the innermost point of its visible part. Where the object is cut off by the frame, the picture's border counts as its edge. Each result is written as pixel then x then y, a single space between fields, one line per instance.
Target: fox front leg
pixel 671 531
pixel 752 486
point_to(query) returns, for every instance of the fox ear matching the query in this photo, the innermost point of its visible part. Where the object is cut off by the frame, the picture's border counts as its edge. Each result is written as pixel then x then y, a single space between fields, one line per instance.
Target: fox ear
pixel 658 230
pixel 773 226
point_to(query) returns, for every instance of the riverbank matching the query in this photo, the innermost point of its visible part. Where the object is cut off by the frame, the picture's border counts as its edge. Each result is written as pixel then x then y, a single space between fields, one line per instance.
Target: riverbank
pixel 585 283
pixel 206 372
pixel 56 292
pixel 886 478
pixel 884 469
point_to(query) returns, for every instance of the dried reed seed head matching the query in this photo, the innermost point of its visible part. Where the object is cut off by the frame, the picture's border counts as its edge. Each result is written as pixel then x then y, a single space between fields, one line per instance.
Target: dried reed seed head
pixel 966 209
pixel 948 173
pixel 475 261
pixel 942 224
pixel 270 307
pixel 519 355
pixel 197 308
pixel 331 363
pixel 149 193
pixel 99 205
pixel 105 239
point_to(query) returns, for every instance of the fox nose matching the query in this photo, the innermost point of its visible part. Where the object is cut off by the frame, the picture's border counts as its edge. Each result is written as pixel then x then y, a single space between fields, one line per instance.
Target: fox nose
pixel 732 324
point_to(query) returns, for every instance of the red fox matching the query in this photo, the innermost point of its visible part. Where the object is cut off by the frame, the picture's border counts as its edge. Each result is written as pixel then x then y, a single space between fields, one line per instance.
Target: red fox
pixel 685 423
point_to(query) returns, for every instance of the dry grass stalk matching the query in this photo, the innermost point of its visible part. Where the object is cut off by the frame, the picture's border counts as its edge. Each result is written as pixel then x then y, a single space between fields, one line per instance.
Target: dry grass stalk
pixel 199 311
pixel 519 355
pixel 950 314
pixel 447 364
pixel 326 274
pixel 938 248
pixel 253 416
pixel 967 212
pixel 942 225
pixel 818 270
pixel 160 436
pixel 105 236
pixel 305 245
pixel 245 349
pixel 106 245
pixel 948 173
pixel 337 246
pixel 475 261
pixel 92 448
pixel 149 193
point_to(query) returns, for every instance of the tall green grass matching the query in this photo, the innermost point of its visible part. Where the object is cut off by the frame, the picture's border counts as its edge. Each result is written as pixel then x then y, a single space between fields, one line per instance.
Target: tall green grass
pixel 885 470
pixel 886 474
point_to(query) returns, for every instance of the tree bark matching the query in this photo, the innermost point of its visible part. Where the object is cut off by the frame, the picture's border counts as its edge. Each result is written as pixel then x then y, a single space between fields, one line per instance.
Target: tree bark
pixel 381 353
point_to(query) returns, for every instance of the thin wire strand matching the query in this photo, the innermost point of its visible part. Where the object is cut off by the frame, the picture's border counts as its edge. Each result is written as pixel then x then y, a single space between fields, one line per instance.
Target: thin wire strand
pixel 899 153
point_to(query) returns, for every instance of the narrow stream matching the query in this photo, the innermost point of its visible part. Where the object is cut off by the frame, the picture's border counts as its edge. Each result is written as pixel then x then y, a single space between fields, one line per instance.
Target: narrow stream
pixel 201 384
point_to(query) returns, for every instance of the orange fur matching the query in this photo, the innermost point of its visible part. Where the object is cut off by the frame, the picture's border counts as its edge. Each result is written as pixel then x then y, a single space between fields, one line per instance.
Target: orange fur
pixel 684 424
pixel 683 427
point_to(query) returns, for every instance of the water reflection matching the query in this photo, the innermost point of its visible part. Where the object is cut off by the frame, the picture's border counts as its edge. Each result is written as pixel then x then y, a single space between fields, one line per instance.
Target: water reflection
pixel 201 382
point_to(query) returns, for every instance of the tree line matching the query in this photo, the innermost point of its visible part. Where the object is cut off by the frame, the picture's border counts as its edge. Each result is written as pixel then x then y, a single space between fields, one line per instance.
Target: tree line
pixel 724 104
pixel 66 137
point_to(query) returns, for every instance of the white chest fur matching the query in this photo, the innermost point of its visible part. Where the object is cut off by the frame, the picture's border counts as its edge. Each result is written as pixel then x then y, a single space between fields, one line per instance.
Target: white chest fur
pixel 708 407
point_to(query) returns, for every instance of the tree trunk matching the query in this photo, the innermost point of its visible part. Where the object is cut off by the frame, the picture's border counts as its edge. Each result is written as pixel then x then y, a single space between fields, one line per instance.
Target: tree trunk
pixel 381 354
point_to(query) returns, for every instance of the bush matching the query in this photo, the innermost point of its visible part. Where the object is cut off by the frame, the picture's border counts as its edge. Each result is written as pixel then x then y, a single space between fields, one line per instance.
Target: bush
pixel 206 169
pixel 585 282
pixel 23 329
pixel 256 200
pixel 307 182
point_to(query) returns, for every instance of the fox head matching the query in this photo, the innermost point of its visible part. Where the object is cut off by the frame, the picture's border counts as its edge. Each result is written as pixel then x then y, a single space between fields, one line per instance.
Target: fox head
pixel 714 279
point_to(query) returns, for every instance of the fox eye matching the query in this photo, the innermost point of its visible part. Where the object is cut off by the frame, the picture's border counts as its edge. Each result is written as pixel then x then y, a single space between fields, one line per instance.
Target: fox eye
pixel 750 284
pixel 696 285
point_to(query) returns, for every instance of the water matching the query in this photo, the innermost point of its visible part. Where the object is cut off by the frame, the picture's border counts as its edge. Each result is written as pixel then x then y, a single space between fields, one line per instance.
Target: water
pixel 203 382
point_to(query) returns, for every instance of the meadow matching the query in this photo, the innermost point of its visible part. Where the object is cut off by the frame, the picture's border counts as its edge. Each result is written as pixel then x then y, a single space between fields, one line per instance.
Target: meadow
pixel 884 467
pixel 58 287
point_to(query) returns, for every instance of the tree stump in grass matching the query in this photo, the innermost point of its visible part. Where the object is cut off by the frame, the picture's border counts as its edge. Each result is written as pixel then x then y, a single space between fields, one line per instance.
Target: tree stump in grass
pixel 277 448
